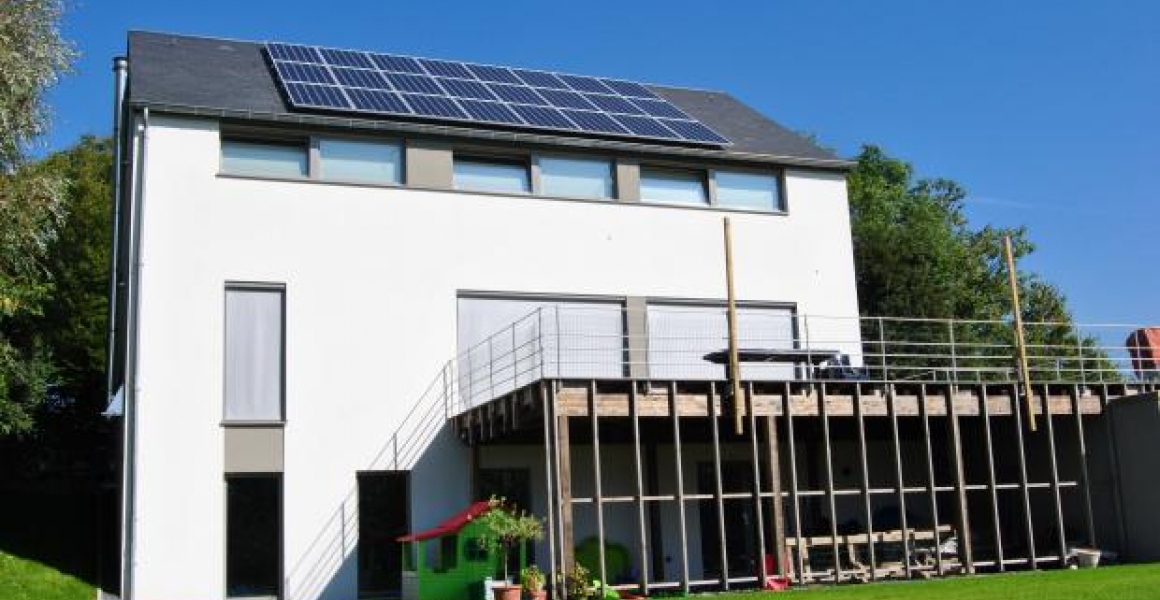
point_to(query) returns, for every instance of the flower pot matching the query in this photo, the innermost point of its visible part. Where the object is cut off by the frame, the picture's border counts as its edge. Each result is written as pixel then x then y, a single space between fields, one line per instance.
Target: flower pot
pixel 537 595
pixel 506 592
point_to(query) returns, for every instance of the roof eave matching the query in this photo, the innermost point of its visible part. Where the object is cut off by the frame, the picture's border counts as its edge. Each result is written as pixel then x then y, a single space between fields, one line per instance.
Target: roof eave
pixel 491 135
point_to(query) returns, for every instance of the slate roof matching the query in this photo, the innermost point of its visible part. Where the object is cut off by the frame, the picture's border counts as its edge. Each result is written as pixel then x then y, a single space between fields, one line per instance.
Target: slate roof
pixel 231 79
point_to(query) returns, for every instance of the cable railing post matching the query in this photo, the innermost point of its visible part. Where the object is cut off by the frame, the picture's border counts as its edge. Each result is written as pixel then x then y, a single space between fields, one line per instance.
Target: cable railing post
pixel 882 348
pixel 954 374
pixel 490 369
pixel 446 392
pixel 395 450
pixel 515 359
pixel 809 350
pixel 540 339
pixel 559 355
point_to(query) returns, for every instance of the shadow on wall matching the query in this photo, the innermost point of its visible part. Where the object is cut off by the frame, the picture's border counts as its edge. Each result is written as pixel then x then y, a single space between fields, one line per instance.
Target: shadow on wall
pixel 328 567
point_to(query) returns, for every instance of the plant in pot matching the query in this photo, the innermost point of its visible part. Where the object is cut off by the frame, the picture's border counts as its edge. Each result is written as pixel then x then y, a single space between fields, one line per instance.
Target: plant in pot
pixel 532 583
pixel 503 529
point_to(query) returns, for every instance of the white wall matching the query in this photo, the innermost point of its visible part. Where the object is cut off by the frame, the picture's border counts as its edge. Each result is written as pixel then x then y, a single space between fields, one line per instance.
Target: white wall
pixel 371 279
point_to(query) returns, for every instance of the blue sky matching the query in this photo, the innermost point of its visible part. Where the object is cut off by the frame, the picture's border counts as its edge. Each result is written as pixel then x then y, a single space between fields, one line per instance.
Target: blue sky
pixel 1047 113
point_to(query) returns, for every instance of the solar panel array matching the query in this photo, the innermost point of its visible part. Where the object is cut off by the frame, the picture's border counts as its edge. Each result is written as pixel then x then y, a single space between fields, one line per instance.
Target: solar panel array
pixel 387 84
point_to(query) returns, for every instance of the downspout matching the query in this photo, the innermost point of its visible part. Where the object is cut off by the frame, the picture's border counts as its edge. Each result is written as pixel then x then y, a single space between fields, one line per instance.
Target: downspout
pixel 131 391
pixel 120 80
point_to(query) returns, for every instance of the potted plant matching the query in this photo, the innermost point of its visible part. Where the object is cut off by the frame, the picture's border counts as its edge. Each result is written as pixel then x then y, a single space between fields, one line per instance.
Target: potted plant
pixel 532 582
pixel 503 530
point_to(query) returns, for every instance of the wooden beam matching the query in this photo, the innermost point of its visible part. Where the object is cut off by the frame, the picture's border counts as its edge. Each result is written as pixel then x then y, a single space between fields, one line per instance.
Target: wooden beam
pixel 1020 341
pixel 734 365
pixel 774 468
pixel 564 451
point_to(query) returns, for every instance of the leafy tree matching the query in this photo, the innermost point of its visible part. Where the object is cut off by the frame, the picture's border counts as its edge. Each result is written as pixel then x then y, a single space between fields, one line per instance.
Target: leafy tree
pixel 917 256
pixel 32 58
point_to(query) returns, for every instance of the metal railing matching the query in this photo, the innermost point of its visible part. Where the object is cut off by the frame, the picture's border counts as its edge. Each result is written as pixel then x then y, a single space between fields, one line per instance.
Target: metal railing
pixel 669 343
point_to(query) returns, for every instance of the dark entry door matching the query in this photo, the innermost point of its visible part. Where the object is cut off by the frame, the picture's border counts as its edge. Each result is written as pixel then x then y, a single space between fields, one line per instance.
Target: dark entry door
pixel 383 516
pixel 740 520
pixel 253 535
pixel 513 485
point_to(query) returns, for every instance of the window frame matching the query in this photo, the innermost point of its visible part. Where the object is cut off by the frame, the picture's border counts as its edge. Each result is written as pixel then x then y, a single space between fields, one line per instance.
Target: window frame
pixel 776 171
pixel 482 155
pixel 538 176
pixel 254 286
pixel 273 139
pixel 704 174
pixel 315 159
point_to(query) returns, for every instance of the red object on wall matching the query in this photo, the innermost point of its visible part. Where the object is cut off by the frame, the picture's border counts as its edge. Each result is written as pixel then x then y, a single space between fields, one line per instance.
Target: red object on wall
pixel 1144 346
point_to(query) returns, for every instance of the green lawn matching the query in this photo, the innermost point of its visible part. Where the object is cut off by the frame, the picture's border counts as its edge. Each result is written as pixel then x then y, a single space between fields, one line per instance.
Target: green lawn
pixel 1130 582
pixel 22 579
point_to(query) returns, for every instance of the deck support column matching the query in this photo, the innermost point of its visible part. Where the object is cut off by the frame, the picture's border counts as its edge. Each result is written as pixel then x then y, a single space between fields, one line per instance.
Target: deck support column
pixel 718 491
pixel 674 410
pixel 900 481
pixel 966 554
pixel 778 504
pixel 1084 476
pixel 931 485
pixel 1021 455
pixel 795 497
pixel 549 485
pixel 992 490
pixel 864 472
pixel 824 411
pixel 642 527
pixel 1054 463
pixel 564 482
pixel 598 501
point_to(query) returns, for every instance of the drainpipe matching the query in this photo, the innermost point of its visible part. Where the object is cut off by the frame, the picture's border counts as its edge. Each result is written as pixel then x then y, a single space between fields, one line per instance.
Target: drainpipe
pixel 120 80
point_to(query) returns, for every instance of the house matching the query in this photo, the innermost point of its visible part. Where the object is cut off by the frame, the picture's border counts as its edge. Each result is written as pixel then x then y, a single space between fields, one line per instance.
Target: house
pixel 354 292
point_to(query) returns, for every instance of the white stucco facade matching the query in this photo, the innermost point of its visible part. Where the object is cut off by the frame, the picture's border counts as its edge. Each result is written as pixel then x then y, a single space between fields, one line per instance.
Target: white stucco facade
pixel 371 278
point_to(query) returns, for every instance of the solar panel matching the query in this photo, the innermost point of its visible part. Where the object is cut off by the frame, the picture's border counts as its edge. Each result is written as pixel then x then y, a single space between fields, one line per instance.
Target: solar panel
pixel 387 84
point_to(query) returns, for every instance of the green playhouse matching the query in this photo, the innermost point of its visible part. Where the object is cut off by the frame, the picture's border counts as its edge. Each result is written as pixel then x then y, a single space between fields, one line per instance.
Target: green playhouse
pixel 448 562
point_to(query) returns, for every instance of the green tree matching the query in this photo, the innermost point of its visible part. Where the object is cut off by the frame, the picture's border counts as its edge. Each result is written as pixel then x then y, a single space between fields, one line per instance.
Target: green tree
pixel 32 58
pixel 917 256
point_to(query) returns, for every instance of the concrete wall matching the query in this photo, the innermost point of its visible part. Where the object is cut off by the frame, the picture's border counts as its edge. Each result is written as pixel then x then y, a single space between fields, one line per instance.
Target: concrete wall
pixel 371 278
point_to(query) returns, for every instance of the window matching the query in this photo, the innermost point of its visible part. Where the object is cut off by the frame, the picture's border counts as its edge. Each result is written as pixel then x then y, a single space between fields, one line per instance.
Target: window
pixel 576 177
pixel 253 536
pixel 753 191
pixel 270 159
pixel 491 175
pixel 676 186
pixel 254 354
pixel 360 161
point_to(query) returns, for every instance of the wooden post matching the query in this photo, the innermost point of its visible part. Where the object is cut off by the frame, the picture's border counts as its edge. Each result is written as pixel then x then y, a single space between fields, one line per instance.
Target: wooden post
pixel 985 414
pixel 734 368
pixel 1020 341
pixel 1053 462
pixel 775 489
pixel 564 471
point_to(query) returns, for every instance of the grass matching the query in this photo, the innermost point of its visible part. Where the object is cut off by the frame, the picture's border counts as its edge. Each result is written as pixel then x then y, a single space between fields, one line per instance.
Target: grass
pixel 22 579
pixel 1131 582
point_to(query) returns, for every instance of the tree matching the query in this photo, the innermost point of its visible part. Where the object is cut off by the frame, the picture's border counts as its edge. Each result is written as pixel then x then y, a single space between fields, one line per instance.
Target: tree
pixel 917 256
pixel 32 58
